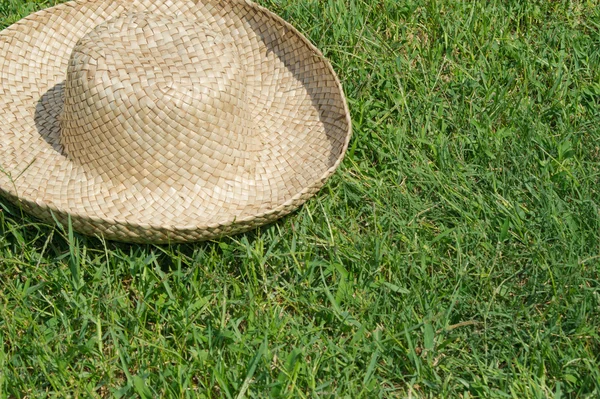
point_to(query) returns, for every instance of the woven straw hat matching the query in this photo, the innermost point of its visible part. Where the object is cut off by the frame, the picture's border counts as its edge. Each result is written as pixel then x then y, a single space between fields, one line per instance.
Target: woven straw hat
pixel 165 121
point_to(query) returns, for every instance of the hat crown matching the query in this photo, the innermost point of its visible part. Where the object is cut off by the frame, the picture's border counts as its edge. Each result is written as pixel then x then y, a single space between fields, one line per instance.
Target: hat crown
pixel 146 93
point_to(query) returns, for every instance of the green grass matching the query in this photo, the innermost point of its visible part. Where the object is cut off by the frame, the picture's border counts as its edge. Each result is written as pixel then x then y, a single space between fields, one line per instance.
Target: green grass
pixel 456 253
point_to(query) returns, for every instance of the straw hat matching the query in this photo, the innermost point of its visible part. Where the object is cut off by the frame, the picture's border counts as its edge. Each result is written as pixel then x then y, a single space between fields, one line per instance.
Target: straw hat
pixel 165 121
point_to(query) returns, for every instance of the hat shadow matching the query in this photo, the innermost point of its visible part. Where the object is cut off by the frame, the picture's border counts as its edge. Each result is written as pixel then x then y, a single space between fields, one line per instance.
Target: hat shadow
pixel 47 111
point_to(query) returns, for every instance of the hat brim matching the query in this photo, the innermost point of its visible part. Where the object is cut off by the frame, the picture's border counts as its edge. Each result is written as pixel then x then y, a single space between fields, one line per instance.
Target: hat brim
pixel 35 173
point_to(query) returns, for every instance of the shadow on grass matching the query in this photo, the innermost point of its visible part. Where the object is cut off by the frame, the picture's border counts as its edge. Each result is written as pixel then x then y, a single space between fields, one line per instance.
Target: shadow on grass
pixel 19 230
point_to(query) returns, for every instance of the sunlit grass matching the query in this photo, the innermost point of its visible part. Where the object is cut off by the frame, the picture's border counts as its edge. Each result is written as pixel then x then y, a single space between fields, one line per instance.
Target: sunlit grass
pixel 455 253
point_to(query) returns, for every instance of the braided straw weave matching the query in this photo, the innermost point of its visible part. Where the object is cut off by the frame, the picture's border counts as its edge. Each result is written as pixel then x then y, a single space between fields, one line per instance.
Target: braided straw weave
pixel 165 121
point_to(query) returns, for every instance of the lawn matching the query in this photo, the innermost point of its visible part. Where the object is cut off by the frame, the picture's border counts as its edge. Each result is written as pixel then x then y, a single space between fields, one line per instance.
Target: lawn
pixel 455 253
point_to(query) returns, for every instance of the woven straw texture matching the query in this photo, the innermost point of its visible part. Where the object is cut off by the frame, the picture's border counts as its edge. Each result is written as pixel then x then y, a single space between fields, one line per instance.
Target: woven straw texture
pixel 165 121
